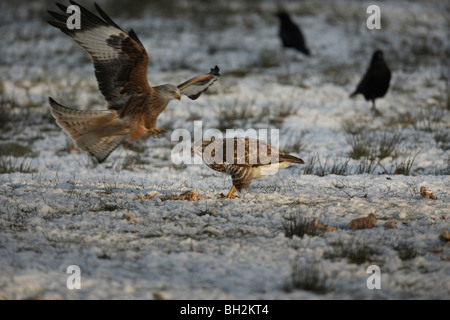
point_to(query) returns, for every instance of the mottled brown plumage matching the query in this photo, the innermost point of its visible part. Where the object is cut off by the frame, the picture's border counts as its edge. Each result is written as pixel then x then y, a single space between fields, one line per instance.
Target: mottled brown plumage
pixel 244 159
pixel 120 61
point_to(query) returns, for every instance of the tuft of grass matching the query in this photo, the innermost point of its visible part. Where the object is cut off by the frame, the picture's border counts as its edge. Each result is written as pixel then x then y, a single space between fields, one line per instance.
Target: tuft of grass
pixel 400 120
pixel 308 278
pixel 340 168
pixel 9 164
pixel 367 165
pixel 109 188
pixel 406 250
pixel 339 74
pixel 235 116
pixel 15 149
pixel 299 226
pixel 405 167
pixel 285 110
pixel 294 143
pixel 354 252
pixel 315 166
pixel 14 116
pixel 15 219
pixel 429 119
pixel 445 171
pixel 5 118
pixel 360 144
pixel 265 60
pixel 442 139
pixel 388 144
pixel 354 126
pixel 373 145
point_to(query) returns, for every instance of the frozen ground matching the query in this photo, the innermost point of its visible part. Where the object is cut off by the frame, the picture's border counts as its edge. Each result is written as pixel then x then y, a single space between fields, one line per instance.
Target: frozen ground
pixel 59 209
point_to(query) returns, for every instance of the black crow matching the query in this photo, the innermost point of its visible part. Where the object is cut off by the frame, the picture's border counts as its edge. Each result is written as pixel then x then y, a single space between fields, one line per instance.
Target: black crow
pixel 375 82
pixel 290 34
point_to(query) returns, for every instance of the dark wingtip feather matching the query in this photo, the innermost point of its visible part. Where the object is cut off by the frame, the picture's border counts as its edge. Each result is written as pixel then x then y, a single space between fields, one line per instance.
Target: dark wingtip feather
pixel 74 3
pixel 215 71
pixel 57 16
pixel 134 36
pixel 51 100
pixel 195 96
pixel 105 16
pixel 88 14
pixel 61 7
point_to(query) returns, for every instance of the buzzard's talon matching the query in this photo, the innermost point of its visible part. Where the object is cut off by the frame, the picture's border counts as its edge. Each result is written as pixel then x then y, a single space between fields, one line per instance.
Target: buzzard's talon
pixel 223 197
pixel 230 194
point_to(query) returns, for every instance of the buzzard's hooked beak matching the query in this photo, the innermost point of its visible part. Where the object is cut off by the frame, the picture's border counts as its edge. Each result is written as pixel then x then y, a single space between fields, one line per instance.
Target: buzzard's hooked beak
pixel 177 96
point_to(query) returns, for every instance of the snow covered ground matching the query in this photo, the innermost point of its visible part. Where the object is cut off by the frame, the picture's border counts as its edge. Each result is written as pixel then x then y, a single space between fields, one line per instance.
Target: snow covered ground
pixel 58 209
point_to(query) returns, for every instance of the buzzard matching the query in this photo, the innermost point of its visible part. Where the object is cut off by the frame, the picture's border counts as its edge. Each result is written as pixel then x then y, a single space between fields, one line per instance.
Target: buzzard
pixel 244 159
pixel 375 82
pixel 120 61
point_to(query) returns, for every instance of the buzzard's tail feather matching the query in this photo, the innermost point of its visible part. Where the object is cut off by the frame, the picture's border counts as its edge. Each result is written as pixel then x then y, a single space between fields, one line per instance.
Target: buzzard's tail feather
pixel 289 158
pixel 284 161
pixel 90 129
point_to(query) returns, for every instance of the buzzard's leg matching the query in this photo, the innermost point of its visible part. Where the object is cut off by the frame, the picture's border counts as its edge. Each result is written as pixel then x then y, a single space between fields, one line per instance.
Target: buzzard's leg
pixel 230 194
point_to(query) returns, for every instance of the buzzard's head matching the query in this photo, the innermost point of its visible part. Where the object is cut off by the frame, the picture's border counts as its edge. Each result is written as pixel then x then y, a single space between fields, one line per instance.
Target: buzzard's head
pixel 200 146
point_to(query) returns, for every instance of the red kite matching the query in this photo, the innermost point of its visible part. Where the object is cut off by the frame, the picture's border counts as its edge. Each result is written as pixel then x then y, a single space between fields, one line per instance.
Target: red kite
pixel 120 63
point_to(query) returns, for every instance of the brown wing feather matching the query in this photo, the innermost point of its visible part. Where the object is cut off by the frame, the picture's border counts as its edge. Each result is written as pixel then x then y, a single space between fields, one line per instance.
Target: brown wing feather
pixel 119 59
pixel 245 152
pixel 249 152
pixel 194 87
